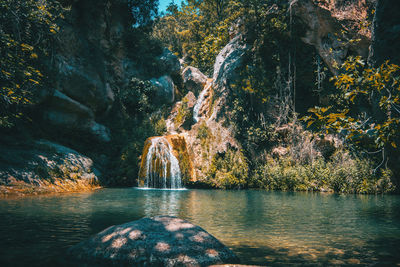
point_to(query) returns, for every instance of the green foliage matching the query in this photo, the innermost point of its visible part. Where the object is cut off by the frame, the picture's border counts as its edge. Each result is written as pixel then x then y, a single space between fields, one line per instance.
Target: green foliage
pixel 378 89
pixel 197 31
pixel 143 11
pixel 341 174
pixel 203 132
pixel 159 125
pixel 228 170
pixel 27 33
pixel 137 98
pixel 184 113
pixel 136 117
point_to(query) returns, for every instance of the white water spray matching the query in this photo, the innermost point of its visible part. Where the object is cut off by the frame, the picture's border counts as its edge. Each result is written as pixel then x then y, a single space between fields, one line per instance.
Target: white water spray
pixel 200 100
pixel 162 167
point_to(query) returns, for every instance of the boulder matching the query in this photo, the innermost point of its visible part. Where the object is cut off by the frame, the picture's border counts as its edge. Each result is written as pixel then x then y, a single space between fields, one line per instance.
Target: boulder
pixel 193 79
pixel 166 88
pixel 85 85
pixel 169 63
pixel 66 114
pixel 35 162
pixel 156 241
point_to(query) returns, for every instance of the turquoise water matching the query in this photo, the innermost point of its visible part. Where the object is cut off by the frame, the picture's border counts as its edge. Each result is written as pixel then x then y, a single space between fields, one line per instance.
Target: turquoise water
pixel 265 228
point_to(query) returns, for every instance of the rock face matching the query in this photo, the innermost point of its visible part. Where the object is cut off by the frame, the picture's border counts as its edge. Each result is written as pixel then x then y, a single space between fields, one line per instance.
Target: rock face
pixel 212 133
pixel 386 33
pixel 34 163
pixel 85 73
pixel 334 28
pixel 202 107
pixel 181 116
pixel 64 113
pixel 228 63
pixel 193 79
pixel 92 59
pixel 157 241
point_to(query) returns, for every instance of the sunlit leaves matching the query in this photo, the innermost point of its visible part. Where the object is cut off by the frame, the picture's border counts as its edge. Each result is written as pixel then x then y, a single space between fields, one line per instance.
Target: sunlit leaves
pixel 358 84
pixel 26 35
pixel 197 31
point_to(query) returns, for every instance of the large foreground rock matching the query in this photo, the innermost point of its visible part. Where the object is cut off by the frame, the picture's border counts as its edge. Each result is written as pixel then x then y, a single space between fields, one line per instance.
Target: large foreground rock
pixel 157 241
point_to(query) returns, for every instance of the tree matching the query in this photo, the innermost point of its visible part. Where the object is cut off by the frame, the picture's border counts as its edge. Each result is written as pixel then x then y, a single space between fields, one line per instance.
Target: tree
pixel 143 11
pixel 367 112
pixel 27 32
pixel 197 31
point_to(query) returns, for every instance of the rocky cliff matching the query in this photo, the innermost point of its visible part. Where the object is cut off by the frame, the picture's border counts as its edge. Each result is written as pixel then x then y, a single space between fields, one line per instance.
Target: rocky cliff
pixel 385 33
pixel 97 55
pixel 94 57
pixel 335 28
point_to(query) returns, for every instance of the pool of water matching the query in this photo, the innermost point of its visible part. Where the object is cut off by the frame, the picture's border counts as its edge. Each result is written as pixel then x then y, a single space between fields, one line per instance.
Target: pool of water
pixel 265 228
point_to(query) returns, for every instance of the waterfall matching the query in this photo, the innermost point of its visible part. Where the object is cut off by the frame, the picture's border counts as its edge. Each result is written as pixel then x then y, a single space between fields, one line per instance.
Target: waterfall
pixel 200 100
pixel 161 166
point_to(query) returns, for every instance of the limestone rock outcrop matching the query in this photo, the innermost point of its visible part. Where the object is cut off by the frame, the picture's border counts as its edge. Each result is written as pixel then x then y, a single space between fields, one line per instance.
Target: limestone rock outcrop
pixel 193 79
pixel 333 28
pixel 213 132
pixel 156 241
pixel 228 62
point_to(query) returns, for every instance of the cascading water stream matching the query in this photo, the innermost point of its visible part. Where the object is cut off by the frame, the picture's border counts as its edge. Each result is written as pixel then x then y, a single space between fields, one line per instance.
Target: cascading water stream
pixel 200 100
pixel 161 166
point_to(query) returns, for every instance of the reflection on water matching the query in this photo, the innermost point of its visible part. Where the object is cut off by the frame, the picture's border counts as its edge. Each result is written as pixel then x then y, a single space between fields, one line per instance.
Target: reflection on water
pixel 266 228
pixel 162 202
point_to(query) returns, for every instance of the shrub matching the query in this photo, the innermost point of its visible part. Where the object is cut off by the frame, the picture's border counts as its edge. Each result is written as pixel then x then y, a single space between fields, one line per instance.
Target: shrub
pixel 342 174
pixel 228 170
pixel 184 113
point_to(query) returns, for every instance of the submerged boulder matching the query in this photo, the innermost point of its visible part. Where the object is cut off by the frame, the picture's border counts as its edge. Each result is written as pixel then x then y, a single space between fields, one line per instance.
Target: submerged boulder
pixel 156 241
